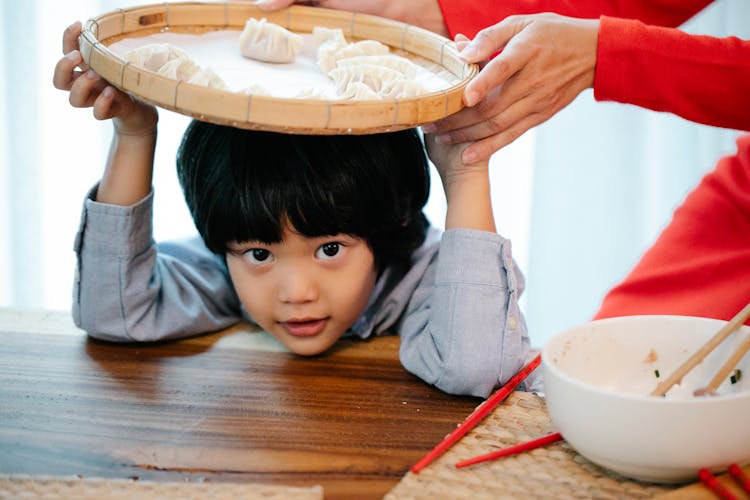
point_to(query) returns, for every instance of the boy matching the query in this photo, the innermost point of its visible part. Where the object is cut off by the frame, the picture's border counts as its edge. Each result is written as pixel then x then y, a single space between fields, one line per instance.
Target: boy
pixel 312 238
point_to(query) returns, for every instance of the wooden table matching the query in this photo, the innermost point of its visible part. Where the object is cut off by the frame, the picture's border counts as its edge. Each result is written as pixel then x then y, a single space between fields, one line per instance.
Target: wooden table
pixel 230 406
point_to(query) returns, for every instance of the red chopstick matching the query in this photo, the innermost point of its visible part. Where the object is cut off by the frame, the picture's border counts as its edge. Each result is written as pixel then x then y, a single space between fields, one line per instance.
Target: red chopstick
pixel 512 450
pixel 714 485
pixel 740 477
pixel 477 415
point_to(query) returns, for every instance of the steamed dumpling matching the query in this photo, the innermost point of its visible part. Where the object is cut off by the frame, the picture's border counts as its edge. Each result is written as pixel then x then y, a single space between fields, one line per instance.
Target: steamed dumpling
pixel 256 89
pixel 330 54
pixel 208 78
pixel 358 91
pixel 400 89
pixel 179 69
pixel 269 42
pixel 400 64
pixel 371 75
pixel 334 37
pixel 155 55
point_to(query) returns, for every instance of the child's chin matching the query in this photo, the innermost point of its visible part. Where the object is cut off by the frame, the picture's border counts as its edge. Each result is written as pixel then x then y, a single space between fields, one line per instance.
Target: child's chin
pixel 310 348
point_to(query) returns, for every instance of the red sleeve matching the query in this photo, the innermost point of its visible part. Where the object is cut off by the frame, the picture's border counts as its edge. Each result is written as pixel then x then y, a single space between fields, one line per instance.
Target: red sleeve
pixel 703 79
pixel 700 264
pixel 469 16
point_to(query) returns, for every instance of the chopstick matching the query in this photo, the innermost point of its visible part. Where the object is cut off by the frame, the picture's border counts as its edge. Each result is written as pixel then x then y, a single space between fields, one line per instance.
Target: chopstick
pixel 713 484
pixel 512 450
pixel 740 477
pixel 477 415
pixel 726 368
pixel 704 351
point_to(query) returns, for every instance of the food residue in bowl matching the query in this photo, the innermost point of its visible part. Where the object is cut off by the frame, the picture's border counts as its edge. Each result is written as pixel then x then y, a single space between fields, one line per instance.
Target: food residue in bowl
pixel 651 357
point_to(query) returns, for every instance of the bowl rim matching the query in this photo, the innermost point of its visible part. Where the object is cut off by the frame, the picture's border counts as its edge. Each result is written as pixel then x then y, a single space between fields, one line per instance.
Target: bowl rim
pixel 548 366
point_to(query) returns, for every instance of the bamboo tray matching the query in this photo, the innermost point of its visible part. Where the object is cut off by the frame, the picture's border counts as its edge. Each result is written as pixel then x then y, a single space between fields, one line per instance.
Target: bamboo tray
pixel 289 115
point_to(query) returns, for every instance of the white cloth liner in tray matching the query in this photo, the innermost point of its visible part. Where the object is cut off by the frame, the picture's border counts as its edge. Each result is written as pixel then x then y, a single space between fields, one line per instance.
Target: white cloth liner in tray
pixel 219 50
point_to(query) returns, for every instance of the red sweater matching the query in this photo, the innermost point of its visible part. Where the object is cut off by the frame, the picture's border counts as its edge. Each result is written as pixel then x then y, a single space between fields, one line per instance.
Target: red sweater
pixel 700 264
pixel 701 78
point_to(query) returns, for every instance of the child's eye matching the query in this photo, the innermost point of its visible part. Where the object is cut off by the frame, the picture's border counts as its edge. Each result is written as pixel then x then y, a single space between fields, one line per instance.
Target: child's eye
pixel 328 250
pixel 258 256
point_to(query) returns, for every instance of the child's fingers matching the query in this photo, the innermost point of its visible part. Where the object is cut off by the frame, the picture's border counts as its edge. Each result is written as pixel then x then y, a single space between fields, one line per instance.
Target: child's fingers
pixel 65 73
pixel 85 90
pixel 70 42
pixel 106 104
pixel 70 37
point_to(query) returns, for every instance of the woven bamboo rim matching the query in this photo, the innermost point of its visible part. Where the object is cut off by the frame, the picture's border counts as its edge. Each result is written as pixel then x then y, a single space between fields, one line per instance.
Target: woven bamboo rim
pixel 303 116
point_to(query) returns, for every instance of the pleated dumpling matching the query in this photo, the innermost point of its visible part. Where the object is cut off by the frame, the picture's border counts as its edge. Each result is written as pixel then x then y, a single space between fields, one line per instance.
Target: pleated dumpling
pixel 269 42
pixel 155 55
pixel 330 54
pixel 371 75
pixel 401 89
pixel 182 68
pixel 208 78
pixel 358 91
pixel 392 61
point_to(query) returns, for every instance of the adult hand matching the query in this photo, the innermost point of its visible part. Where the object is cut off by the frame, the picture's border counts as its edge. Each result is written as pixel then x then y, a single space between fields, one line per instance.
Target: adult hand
pixel 546 61
pixel 423 13
pixel 88 90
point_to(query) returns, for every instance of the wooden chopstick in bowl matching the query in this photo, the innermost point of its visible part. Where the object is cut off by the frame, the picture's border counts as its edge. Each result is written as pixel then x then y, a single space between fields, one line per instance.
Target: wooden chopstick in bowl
pixel 676 377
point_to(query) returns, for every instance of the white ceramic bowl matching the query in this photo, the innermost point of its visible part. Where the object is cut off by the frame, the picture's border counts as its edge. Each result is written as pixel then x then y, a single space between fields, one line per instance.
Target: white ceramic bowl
pixel 597 378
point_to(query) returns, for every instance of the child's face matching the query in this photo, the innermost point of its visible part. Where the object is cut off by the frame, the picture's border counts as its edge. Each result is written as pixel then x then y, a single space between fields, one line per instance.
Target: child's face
pixel 305 291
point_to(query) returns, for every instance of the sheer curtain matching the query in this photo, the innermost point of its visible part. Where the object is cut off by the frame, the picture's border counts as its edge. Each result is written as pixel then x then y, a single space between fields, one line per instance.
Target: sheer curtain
pixel 580 197
pixel 606 179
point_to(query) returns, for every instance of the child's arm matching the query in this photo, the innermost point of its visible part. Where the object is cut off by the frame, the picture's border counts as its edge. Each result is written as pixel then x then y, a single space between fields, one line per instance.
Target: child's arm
pixel 463 330
pixel 127 288
pixel 467 187
pixel 128 173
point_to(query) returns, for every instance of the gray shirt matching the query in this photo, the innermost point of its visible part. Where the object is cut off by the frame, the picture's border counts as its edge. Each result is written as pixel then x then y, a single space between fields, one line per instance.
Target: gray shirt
pixel 455 308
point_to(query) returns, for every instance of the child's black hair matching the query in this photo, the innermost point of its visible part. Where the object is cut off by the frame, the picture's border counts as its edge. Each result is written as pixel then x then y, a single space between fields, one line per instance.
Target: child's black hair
pixel 241 185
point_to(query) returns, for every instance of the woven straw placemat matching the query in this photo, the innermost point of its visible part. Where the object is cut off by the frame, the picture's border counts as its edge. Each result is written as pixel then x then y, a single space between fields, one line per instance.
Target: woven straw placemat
pixel 554 471
pixel 54 488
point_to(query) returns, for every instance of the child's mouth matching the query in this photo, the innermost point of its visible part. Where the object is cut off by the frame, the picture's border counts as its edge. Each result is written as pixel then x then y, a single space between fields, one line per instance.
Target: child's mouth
pixel 304 328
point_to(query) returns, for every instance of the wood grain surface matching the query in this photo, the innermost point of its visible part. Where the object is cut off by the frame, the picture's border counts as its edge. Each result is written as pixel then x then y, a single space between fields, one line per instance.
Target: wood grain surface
pixel 231 406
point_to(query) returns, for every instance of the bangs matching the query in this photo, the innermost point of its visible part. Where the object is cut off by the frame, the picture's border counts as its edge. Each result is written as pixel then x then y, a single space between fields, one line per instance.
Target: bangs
pixel 245 185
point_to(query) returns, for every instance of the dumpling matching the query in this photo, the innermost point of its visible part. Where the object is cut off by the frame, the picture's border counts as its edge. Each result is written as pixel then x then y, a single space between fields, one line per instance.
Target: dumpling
pixel 371 75
pixel 269 42
pixel 179 69
pixel 155 55
pixel 392 61
pixel 358 91
pixel 208 78
pixel 400 89
pixel 256 89
pixel 329 54
pixel 331 36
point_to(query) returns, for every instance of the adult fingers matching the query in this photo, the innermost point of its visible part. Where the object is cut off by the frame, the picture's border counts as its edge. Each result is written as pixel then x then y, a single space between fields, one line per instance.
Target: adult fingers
pixel 490 125
pixel 497 71
pixel 273 4
pixel 483 149
pixel 493 38
pixel 490 106
pixel 65 73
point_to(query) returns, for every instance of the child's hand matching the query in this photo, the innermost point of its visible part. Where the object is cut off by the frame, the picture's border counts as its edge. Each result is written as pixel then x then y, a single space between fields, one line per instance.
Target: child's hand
pixel 467 187
pixel 447 160
pixel 88 90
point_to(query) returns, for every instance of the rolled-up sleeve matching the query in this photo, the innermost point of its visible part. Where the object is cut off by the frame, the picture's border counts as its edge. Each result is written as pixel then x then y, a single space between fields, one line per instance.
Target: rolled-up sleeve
pixel 127 288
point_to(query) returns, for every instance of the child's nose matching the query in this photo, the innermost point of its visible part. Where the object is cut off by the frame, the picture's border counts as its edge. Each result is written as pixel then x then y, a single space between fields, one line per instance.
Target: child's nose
pixel 298 287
